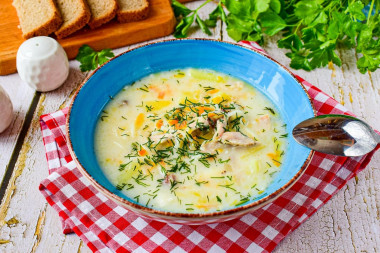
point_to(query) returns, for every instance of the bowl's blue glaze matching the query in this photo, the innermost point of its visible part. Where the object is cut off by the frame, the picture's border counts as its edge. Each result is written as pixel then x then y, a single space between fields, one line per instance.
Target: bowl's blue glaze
pixel 270 78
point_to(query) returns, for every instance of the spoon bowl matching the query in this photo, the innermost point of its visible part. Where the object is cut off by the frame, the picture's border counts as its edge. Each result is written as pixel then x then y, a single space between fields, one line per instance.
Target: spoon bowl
pixel 334 134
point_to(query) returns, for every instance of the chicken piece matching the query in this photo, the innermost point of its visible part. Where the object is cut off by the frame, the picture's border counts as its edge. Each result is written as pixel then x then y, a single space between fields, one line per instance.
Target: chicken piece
pixel 220 128
pixel 210 146
pixel 199 122
pixel 161 138
pixel 169 178
pixel 213 118
pixel 236 139
pixel 264 122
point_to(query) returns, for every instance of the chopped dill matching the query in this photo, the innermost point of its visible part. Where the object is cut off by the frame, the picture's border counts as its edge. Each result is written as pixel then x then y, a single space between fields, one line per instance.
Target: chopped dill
pixel 208 88
pixel 120 187
pixel 228 186
pixel 225 161
pixel 149 108
pixel 242 201
pixel 122 166
pixel 145 88
pixel 200 182
pixel 270 110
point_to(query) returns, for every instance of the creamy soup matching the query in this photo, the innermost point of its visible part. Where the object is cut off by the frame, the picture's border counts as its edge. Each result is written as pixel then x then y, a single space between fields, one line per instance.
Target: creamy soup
pixel 190 141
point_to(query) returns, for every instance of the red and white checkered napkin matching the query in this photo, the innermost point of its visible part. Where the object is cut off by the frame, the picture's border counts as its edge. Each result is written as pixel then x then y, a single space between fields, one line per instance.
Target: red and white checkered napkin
pixel 106 227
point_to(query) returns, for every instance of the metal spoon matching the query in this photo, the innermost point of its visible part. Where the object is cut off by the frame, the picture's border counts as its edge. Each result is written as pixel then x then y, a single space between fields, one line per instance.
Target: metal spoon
pixel 337 135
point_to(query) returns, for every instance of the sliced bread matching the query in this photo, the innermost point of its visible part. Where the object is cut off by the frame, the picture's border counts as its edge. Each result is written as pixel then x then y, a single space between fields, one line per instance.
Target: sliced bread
pixel 37 18
pixel 75 15
pixel 102 11
pixel 132 10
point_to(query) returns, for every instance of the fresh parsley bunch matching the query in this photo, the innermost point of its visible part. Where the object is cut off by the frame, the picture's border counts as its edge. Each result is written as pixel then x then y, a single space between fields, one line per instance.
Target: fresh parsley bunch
pixel 312 30
pixel 91 59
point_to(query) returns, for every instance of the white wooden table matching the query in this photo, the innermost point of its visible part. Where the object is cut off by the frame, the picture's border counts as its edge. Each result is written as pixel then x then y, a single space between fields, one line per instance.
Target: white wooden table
pixel 349 222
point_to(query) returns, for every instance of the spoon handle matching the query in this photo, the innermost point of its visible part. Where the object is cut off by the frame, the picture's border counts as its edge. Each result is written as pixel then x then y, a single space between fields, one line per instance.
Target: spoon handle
pixel 337 135
pixel 377 138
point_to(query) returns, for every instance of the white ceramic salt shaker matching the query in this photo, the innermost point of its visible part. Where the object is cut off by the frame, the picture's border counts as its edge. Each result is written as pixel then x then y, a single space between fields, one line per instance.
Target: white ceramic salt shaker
pixel 42 63
pixel 6 110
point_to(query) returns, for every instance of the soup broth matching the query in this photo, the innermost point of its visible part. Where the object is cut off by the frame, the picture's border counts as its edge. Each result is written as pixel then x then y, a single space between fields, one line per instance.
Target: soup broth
pixel 190 141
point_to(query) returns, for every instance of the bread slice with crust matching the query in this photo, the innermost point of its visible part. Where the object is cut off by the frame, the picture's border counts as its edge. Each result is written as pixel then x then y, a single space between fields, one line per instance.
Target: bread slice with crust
pixel 37 18
pixel 132 10
pixel 75 15
pixel 102 11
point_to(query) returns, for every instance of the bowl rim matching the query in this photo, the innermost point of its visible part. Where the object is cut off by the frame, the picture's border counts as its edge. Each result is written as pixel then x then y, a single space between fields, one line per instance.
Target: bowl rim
pixel 140 208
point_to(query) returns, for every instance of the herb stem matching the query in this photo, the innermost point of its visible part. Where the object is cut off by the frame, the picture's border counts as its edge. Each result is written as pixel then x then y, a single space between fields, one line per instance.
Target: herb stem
pixel 202 5
pixel 370 10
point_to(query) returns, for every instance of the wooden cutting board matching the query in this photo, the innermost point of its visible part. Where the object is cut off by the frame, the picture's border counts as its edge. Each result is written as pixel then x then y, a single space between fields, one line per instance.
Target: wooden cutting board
pixel 161 22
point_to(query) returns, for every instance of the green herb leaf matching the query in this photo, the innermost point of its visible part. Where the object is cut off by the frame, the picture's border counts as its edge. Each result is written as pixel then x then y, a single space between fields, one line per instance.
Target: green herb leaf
pixel 261 5
pixel 180 9
pixel 307 10
pixel 202 25
pixel 275 5
pixel 312 29
pixel 183 27
pixel 272 23
pixel 240 8
pixel 91 59
pixel 355 10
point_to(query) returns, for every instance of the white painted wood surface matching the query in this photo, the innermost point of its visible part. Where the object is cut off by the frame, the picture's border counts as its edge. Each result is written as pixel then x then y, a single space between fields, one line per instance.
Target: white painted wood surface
pixel 350 222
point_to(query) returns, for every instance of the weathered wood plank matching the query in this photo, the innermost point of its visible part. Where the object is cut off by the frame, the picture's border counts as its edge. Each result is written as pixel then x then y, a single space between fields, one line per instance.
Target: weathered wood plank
pixel 349 222
pixel 21 96
pixel 22 201
pixel 38 227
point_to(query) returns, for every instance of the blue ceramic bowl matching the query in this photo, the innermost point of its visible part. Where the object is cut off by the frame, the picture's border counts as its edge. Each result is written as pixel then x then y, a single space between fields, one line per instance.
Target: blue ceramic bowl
pixel 265 74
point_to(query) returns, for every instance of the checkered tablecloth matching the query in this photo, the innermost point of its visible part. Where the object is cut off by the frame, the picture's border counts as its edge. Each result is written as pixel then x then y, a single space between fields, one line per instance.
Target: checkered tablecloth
pixel 106 227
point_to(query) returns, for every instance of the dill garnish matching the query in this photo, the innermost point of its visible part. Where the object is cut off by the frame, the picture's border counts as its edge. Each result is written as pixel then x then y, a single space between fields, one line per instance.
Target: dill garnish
pixel 228 186
pixel 270 109
pixel 145 88
pixel 208 88
pixel 200 182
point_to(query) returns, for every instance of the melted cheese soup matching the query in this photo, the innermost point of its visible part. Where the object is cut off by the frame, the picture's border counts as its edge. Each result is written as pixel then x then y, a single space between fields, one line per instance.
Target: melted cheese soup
pixel 190 141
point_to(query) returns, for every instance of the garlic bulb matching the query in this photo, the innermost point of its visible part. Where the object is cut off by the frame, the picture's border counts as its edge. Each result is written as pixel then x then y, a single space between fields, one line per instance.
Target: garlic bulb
pixel 6 110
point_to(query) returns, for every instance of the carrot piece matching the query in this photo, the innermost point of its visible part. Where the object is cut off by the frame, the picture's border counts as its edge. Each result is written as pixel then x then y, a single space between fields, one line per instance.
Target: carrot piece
pixel 275 158
pixel 159 123
pixel 181 125
pixel 142 152
pixel 172 122
pixel 214 116
pixel 161 94
pixel 202 109
pixel 139 120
